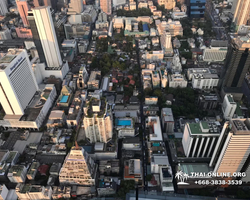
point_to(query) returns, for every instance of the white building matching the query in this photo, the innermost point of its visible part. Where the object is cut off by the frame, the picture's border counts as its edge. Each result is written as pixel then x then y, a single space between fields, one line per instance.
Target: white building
pixel 17 81
pixel 200 139
pixel 154 125
pixel 47 34
pixel 176 64
pixel 98 121
pixel 166 43
pixel 228 107
pixel 78 168
pixel 216 52
pixel 203 78
pixel 3 7
pixel 22 107
pixel 233 147
pixel 5 34
pixel 167 120
pixel 6 194
pixel 177 80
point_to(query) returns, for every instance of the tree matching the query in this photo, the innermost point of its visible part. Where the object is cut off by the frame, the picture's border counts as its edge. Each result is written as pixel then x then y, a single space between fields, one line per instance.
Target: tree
pixel 149 177
pixel 125 187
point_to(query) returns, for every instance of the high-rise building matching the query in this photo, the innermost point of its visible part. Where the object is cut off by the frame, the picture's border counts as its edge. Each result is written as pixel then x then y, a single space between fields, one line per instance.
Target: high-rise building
pixel 199 139
pixel 47 36
pixel 23 8
pixel 38 3
pixel 98 122
pixel 36 37
pixel 3 7
pixel 75 7
pixel 106 6
pixel 17 82
pixel 241 13
pixel 233 147
pixel 236 66
pixel 228 106
pixel 196 8
pixel 78 168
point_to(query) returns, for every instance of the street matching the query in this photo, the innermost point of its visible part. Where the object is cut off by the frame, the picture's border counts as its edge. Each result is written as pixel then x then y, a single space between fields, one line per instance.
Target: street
pixel 142 125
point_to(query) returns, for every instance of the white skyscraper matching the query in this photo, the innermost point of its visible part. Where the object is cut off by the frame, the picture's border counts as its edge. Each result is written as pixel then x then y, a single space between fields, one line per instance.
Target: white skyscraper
pixel 17 82
pixel 228 106
pixel 233 147
pixel 3 7
pixel 78 168
pixel 46 31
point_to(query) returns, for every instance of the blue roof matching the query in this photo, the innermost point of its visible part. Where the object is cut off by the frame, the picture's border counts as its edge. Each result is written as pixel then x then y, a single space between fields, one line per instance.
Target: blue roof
pixel 145 27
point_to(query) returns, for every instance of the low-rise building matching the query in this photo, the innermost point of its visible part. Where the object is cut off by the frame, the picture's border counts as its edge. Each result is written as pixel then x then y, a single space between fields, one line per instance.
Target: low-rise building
pixel 154 125
pixel 94 80
pixel 59 192
pixel 177 80
pixel 174 27
pixel 208 101
pixel 33 170
pixel 106 187
pixel 6 194
pixel 133 170
pixel 216 52
pixel 109 167
pixel 17 174
pixel 33 192
pixel 203 78
pixel 125 127
pixel 149 100
pixel 133 144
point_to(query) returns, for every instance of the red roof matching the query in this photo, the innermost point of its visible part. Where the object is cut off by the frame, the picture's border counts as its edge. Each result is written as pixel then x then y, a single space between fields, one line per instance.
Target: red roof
pixel 43 169
pixel 131 82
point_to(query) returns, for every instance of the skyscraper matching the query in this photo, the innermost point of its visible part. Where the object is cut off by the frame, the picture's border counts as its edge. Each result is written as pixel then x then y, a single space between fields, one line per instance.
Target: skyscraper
pixel 38 3
pixel 47 36
pixel 233 147
pixel 236 66
pixel 17 82
pixel 36 37
pixel 241 14
pixel 196 8
pixel 78 168
pixel 75 6
pixel 3 7
pixel 23 8
pixel 106 6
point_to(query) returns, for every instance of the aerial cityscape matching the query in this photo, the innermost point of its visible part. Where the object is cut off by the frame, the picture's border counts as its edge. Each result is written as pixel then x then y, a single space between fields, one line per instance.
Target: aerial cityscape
pixel 124 99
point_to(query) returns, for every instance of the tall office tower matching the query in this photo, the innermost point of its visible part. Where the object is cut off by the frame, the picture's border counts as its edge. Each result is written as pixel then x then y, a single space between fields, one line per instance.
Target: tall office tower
pixel 106 6
pixel 38 3
pixel 75 7
pixel 236 66
pixel 196 8
pixel 166 41
pixel 98 122
pixel 233 147
pixel 23 9
pixel 199 139
pixel 169 4
pixel 17 82
pixel 47 36
pixel 241 14
pixel 36 37
pixel 78 168
pixel 3 7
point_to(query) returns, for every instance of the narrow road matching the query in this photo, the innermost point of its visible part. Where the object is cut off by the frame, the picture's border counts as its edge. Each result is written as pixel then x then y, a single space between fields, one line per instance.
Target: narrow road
pixel 142 125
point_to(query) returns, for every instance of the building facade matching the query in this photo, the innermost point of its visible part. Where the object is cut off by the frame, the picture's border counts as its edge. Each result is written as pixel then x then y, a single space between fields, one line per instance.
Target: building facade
pixel 78 168
pixel 241 14
pixel 200 139
pixel 196 8
pixel 17 82
pixel 232 149
pixel 228 107
pixel 106 6
pixel 23 8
